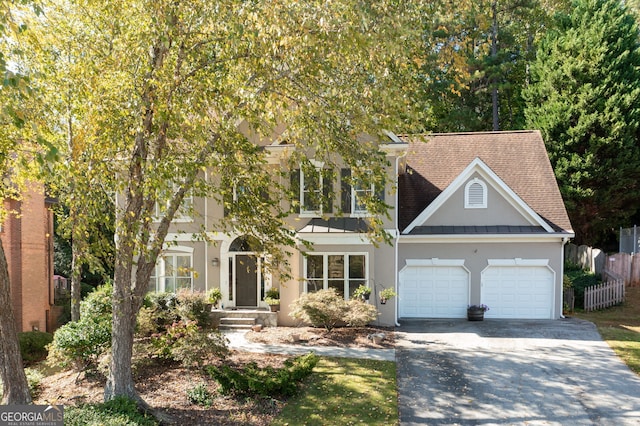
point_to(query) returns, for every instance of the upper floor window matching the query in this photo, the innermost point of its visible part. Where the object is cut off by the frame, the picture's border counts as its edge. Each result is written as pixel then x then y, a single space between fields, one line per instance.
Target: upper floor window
pixel 311 190
pixel 312 187
pixel 184 212
pixel 354 193
pixel 172 273
pixel 475 194
pixel 343 272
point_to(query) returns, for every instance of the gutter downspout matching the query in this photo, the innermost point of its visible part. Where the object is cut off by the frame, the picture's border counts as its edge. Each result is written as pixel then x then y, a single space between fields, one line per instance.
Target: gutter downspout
pixel 397 239
pixel 565 240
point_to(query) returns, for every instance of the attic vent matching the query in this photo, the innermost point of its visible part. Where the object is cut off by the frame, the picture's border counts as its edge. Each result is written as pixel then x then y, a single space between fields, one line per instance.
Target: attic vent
pixel 475 194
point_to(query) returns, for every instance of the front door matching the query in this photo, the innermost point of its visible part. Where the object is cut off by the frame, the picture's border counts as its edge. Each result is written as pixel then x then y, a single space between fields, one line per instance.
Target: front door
pixel 246 279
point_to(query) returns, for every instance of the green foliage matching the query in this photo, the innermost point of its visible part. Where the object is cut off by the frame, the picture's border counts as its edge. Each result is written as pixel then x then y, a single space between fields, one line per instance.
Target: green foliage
pixel 584 97
pixel 267 381
pixel 324 308
pixel 184 341
pixel 33 345
pixel 359 313
pixel 119 411
pixel 193 306
pixel 82 342
pixel 273 293
pixel 327 309
pixel 272 296
pixel 34 380
pixel 579 280
pixel 387 293
pixel 200 395
pixel 197 348
pixel 159 310
pixel 214 296
pixel 362 291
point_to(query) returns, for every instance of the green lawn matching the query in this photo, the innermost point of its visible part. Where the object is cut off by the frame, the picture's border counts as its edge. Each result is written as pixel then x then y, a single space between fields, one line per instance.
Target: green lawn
pixel 619 326
pixel 344 391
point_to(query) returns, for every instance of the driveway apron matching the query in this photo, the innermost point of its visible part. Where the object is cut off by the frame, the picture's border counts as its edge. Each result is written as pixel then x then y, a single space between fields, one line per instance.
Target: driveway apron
pixel 511 372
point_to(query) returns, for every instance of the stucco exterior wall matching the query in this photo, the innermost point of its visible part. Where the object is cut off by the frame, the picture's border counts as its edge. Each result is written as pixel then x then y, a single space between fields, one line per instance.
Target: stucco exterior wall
pixel 498 211
pixel 477 254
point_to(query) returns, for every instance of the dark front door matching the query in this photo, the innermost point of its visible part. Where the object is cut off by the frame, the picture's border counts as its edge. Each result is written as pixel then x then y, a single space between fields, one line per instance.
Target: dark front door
pixel 246 280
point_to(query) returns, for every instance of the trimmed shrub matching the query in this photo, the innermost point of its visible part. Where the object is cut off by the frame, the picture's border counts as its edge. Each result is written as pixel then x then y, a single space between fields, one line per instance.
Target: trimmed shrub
pixel 324 308
pixel 33 345
pixel 193 306
pixel 185 342
pixel 120 411
pixel 81 343
pixel 268 381
pixel 359 313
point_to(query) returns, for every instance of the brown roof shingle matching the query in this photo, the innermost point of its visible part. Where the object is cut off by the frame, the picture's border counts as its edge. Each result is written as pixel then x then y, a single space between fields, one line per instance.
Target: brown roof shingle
pixel 519 158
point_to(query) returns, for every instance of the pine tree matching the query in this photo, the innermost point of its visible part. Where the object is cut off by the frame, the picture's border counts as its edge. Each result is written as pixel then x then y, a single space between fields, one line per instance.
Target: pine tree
pixel 585 98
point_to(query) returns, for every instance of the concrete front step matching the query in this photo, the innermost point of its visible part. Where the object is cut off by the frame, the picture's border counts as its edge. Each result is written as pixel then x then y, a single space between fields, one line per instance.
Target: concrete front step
pixel 243 319
pixel 237 321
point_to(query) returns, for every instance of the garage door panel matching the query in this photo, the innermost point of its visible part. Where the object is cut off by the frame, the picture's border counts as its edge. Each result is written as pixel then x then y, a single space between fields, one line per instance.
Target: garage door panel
pixel 524 292
pixel 433 292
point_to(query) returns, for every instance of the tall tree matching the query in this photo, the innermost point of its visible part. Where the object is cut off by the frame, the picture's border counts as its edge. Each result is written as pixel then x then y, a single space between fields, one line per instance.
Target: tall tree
pixel 15 154
pixel 172 90
pixel 585 98
pixel 478 54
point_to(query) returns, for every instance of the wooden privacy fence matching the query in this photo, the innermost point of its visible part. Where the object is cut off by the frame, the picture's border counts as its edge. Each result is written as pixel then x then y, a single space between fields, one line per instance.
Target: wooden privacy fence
pixel 603 295
pixel 622 266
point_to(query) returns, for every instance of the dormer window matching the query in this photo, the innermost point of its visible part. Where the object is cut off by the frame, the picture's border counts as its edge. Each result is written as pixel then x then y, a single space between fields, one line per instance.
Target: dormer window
pixel 475 194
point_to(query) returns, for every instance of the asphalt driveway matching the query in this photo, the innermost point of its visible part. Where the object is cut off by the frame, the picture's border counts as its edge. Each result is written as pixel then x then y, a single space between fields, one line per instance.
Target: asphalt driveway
pixel 512 372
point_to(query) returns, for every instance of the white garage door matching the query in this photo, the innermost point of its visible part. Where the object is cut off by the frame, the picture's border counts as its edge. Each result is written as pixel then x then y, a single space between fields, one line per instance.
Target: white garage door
pixel 524 292
pixel 433 292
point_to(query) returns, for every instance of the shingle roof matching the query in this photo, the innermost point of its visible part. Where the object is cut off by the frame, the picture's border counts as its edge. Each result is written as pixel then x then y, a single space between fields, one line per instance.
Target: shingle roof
pixel 519 158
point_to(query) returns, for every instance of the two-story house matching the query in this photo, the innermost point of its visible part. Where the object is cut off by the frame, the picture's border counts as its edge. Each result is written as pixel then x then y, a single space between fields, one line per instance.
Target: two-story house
pixel 475 218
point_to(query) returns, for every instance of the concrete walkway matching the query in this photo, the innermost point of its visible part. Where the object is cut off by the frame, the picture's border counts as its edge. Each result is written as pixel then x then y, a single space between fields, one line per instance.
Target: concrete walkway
pixel 238 341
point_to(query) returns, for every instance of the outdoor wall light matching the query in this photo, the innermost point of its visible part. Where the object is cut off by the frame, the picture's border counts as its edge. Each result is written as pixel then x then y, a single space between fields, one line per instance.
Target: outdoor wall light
pixel 215 262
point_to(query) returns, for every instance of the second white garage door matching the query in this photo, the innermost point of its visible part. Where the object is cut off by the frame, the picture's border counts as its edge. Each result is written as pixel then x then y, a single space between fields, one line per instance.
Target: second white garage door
pixel 433 292
pixel 524 292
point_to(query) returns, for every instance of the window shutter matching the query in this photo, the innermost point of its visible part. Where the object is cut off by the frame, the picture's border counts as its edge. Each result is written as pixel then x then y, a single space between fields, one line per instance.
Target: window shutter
pixel 345 190
pixel 295 190
pixel 327 190
pixel 380 193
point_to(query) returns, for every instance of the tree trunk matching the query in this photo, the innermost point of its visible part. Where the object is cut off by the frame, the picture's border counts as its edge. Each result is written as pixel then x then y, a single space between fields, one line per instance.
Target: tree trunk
pixel 76 277
pixel 120 381
pixel 494 79
pixel 15 390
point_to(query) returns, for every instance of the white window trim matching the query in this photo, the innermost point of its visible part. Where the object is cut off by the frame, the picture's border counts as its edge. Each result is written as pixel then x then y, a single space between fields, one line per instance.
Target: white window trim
pixel 179 217
pixel 160 268
pixel 354 200
pixel 303 211
pixel 325 269
pixel 467 187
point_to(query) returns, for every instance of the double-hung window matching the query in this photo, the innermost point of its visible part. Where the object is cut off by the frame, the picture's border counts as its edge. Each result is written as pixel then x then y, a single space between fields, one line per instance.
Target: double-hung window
pixel 183 214
pixel 312 187
pixel 172 273
pixel 354 192
pixel 359 193
pixel 311 190
pixel 344 272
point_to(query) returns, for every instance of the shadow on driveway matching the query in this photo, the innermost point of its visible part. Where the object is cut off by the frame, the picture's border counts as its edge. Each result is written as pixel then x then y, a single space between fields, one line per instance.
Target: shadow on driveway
pixel 505 372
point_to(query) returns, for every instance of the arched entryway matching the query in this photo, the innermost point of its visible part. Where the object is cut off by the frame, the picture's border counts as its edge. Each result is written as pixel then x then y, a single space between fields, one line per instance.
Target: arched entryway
pixel 245 272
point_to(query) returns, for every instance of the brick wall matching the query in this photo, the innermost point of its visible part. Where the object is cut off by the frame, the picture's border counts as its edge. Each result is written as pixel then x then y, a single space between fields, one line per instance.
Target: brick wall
pixel 28 242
